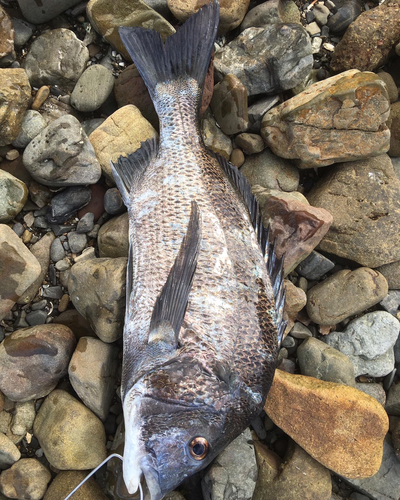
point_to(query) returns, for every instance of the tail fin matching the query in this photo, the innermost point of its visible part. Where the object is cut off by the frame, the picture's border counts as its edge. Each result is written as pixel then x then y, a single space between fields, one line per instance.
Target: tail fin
pixel 185 53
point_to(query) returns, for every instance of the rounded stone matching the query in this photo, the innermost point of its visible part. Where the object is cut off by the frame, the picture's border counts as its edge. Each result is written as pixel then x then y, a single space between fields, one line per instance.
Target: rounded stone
pixel 113 237
pixel 27 478
pixel 92 89
pixel 13 196
pixel 9 453
pixel 32 124
pixel 113 203
pixel 390 85
pixel 66 481
pixel 250 143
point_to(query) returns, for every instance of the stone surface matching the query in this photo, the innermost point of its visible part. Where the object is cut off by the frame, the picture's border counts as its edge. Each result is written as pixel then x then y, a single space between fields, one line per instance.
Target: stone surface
pixel 113 203
pixel 7 54
pixel 273 11
pixel 39 13
pixel 32 124
pixel 66 203
pixel 76 322
pixel 314 266
pixel 393 401
pixel 250 143
pixel 119 135
pixel 318 360
pixel 71 436
pixel 364 199
pixel 295 300
pixel 15 92
pixel 62 155
pixel 96 203
pixel 49 60
pixel 106 17
pixel 341 118
pixel 346 14
pixel 23 418
pixel 97 290
pixel 92 89
pixel 253 57
pixel 66 481
pixel 363 46
pixel 368 342
pixel 391 302
pixel 348 426
pixel 76 241
pixel 9 453
pixel 18 269
pixel 214 138
pixel 22 31
pixel 393 92
pixel 13 196
pixel 27 478
pixel 33 359
pixel 113 237
pixel 394 126
pixel 345 294
pixel 374 390
pixel 92 373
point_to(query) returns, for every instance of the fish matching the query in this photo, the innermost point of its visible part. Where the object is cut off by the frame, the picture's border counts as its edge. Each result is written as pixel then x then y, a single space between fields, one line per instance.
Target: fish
pixel 204 290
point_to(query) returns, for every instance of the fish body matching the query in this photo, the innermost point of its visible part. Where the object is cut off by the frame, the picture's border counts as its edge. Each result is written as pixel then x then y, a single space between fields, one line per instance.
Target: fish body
pixel 204 309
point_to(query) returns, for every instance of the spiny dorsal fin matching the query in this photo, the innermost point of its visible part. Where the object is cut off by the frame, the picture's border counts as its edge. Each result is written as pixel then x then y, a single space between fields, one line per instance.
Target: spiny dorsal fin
pixel 170 306
pixel 128 169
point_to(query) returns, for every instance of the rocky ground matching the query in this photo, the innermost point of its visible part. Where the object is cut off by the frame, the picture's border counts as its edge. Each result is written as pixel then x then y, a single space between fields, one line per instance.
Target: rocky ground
pixel 303 97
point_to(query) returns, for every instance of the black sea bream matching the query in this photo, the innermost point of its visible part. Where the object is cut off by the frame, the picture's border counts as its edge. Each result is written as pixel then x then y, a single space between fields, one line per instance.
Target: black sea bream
pixel 204 289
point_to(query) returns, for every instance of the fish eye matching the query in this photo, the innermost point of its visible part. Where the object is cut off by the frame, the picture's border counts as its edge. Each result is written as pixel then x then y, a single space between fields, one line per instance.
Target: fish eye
pixel 198 448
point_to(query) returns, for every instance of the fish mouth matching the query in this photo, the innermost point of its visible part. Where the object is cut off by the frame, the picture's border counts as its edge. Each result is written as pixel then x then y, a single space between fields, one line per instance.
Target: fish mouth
pixel 152 479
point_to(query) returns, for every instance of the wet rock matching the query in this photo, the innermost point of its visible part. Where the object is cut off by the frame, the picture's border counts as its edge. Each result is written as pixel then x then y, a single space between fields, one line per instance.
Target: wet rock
pixel 107 17
pixel 341 118
pixel 113 237
pixel 27 478
pixel 18 269
pixel 113 203
pixel 374 390
pixel 66 481
pixel 76 241
pixel 233 473
pixel 71 436
pixel 16 93
pixel 364 199
pixel 67 203
pixel 7 54
pixel 250 143
pixel 363 46
pixel 92 373
pixel 257 110
pixel 9 453
pixel 33 359
pixel 119 135
pixel 348 425
pixel 253 57
pixel 394 126
pixel 237 157
pixel 214 138
pixel 92 89
pixel 97 290
pixel 76 322
pixel 32 124
pixel 13 196
pixel 45 11
pixel 314 266
pixel 61 155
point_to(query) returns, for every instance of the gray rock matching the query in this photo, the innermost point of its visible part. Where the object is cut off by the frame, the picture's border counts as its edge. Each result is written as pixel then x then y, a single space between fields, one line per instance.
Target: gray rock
pixel 314 266
pixel 23 418
pixel 392 273
pixel 53 292
pixel 368 342
pixel 321 13
pixel 13 196
pixel 393 401
pixel 57 251
pixel 35 479
pixel 257 110
pixel 113 237
pixel 233 474
pixel 86 223
pixel 374 390
pixel 89 125
pixel 32 124
pixel 391 302
pixel 300 331
pixel 22 31
pixel 9 453
pixel 92 89
pixel 67 203
pixel 62 155
pixel 77 241
pixel 18 229
pixel 36 318
pixel 213 136
pixel 40 12
pixel 267 60
pixel 345 15
pixel 113 203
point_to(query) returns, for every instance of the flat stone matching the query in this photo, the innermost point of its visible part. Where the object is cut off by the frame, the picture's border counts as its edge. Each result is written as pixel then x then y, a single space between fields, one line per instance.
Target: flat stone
pixel 92 89
pixel 49 60
pixel 314 266
pixel 345 15
pixel 120 135
pixel 35 318
pixel 13 196
pixel 257 110
pixel 338 119
pixel 364 200
pixel 67 203
pixel 345 294
pixel 32 124
pixel 9 453
pixel 39 194
pixel 214 138
pixel 348 426
pixel 53 292
pixel 61 155
pixel 86 223
pixel 57 251
pixel 250 143
pixel 71 436
pixel 66 481
pixel 27 478
pixel 300 331
pixel 113 239
pixel 253 56
pixel 45 11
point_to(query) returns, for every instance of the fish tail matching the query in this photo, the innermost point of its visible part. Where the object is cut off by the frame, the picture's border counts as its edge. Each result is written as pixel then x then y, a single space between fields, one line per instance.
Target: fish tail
pixel 186 53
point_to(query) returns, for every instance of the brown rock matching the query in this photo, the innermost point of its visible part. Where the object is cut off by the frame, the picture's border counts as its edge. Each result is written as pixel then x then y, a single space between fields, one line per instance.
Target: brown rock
pixel 6 37
pixel 368 40
pixel 295 300
pixel 113 238
pixel 67 480
pixel 250 143
pixel 41 95
pixel 392 274
pixel 208 87
pixel 213 136
pixel 341 118
pixel 76 322
pixel 364 200
pixel 96 203
pixel 237 157
pixel 387 78
pixel 339 426
pixel 27 478
pixel 394 125
pixel 17 169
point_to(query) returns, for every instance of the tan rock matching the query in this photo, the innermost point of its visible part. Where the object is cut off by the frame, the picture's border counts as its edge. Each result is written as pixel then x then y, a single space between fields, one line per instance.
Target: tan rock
pixel 338 119
pixel 27 478
pixel 119 135
pixel 113 237
pixel 67 480
pixel 339 426
pixel 250 143
pixel 295 300
pixel 214 138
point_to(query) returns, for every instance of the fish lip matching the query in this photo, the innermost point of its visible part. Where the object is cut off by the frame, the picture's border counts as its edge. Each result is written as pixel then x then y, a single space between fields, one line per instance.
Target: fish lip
pixel 152 479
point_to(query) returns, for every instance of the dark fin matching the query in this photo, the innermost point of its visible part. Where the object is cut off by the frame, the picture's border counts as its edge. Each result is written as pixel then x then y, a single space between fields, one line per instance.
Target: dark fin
pixel 185 53
pixel 129 278
pixel 170 306
pixel 128 169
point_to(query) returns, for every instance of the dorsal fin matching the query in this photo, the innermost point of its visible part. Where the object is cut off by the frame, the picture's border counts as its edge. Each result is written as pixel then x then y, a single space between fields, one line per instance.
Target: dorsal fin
pixel 128 169
pixel 170 306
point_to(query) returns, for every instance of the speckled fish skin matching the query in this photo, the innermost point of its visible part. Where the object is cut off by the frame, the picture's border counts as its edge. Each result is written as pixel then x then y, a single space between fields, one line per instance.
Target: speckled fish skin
pixel 215 381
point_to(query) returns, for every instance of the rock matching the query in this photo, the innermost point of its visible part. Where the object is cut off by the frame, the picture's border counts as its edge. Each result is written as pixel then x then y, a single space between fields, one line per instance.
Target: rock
pixel 318 360
pixel 97 290
pixel 391 87
pixel 45 11
pixel 71 436
pixel 53 108
pixel 231 13
pixel 298 476
pixel 295 300
pixel 300 331
pixel 250 143
pixel 92 373
pixel 61 155
pixel 233 473
pixel 374 390
pixel 341 118
pixel 113 203
pixel 346 14
pixel 23 418
pixel 113 240
pixel 257 110
pixel 33 359
pixel 364 200
pixel 27 478
pixel 66 481
pixel 7 54
pixel 9 453
pixel 86 223
pixel 96 203
pixel 40 98
pixel 22 31
pixel 57 251
pixel 106 18
pixel 394 126
pixel 273 11
pixel 229 105
pixel 348 426
pixel 18 269
pixel 119 135
pixel 67 203
pixel 314 266
pixel 237 157
pixel 16 93
pixel 313 29
pixel 49 60
pixel 76 322
pixel 77 241
pixel 214 138
pixel 13 196
pixel 92 89
pixel 393 401
pixel 32 124
pixel 321 13
pixel 392 274
pixel 253 56
pixel 35 318
pixel 90 125
pixel 363 47
pixel 391 302
pixel 270 171
pixel 40 250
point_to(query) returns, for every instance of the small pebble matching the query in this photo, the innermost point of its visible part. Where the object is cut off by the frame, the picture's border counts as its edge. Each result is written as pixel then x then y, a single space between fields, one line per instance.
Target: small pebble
pixel 36 318
pixel 12 154
pixel 63 304
pixel 85 225
pixel 237 157
pixel 77 241
pixel 313 29
pixel 57 251
pixel 52 292
pixel 63 265
pixel 41 95
pixel 37 306
pixel 18 229
pixel 300 331
pixel 113 203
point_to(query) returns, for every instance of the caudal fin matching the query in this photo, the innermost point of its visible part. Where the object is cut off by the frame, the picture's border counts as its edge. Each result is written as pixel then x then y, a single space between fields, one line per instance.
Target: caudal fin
pixel 186 53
